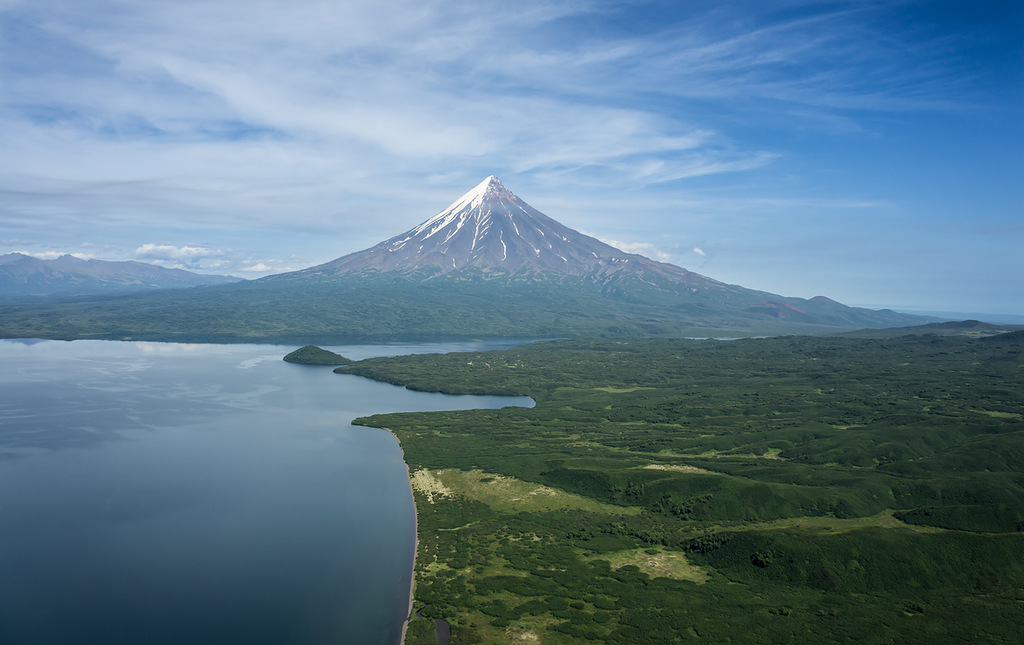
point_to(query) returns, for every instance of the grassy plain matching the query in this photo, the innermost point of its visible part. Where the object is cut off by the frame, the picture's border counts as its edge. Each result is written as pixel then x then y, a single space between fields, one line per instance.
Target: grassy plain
pixel 759 490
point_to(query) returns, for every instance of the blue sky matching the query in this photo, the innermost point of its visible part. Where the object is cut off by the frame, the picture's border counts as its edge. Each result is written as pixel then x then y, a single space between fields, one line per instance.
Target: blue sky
pixel 872 152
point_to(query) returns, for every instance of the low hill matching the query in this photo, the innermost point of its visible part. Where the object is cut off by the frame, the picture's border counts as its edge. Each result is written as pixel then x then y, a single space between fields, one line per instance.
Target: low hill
pixel 313 355
pixel 969 328
pixel 24 275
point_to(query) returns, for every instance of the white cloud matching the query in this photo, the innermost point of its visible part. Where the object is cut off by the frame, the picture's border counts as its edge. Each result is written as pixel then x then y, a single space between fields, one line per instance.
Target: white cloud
pixel 259 267
pixel 53 255
pixel 171 252
pixel 699 251
pixel 258 113
pixel 645 249
pixel 264 268
pixel 401 81
pixel 187 257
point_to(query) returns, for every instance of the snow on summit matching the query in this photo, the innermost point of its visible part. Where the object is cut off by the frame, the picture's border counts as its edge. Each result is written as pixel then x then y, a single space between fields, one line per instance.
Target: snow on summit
pixel 490 187
pixel 471 205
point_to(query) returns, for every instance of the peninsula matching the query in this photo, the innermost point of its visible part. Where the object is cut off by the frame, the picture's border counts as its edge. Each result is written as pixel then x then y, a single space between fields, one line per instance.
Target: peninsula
pixel 761 490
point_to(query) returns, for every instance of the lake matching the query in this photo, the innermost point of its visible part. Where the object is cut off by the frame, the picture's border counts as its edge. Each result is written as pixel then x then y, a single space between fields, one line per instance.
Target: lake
pixel 173 493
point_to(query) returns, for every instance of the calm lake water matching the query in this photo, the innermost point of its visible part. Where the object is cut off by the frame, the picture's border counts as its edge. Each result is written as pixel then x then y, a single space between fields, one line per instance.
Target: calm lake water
pixel 171 493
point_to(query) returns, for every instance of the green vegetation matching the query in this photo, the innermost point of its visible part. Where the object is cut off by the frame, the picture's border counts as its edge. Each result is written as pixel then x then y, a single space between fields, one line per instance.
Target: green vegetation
pixel 313 355
pixel 759 490
pixel 969 328
pixel 377 307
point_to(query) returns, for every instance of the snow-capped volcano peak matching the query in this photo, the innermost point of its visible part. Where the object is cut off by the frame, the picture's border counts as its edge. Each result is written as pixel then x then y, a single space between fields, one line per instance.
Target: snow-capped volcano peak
pixel 490 229
pixel 477 204
pixel 490 187
pixel 474 197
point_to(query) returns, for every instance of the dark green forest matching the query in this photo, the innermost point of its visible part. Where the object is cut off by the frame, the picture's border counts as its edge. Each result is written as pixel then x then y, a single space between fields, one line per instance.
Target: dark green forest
pixel 312 355
pixel 818 489
pixel 379 307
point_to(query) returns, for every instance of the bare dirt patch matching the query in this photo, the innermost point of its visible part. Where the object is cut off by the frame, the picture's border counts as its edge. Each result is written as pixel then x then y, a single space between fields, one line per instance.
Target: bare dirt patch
pixel 425 482
pixel 681 468
pixel 506 493
pixel 658 563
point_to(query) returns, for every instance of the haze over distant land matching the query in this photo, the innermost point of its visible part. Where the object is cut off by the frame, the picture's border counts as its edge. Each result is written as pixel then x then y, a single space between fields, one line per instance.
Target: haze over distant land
pixel 488 266
pixel 23 275
pixel 997 318
pixel 868 151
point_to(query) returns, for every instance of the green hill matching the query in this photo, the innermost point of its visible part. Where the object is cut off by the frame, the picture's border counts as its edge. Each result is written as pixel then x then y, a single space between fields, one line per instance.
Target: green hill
pixel 313 355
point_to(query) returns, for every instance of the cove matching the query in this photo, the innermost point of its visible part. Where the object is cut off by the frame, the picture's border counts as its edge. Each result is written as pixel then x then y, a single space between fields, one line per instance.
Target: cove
pixel 170 493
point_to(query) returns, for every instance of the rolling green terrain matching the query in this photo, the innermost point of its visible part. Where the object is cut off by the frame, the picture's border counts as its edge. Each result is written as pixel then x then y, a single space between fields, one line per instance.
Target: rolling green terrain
pixel 301 308
pixel 758 490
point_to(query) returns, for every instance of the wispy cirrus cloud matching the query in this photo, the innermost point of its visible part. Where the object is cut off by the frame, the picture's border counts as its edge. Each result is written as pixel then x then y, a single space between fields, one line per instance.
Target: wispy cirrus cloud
pixel 404 80
pixel 327 126
pixel 424 83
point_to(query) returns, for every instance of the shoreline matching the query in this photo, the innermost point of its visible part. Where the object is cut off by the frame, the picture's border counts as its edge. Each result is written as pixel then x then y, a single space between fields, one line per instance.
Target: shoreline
pixel 416 539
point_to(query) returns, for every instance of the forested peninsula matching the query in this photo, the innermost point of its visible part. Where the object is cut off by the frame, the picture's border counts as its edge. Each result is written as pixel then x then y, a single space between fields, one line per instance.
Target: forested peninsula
pixel 759 490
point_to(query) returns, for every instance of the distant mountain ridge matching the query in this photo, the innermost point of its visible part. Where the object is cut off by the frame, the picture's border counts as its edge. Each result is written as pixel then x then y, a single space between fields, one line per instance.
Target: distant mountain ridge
pixel 25 275
pixel 489 265
pixel 968 328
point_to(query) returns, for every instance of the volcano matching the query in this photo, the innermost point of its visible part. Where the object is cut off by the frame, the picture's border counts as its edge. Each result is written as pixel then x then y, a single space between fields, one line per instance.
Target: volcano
pixel 489 265
pixel 492 234
pixel 488 228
